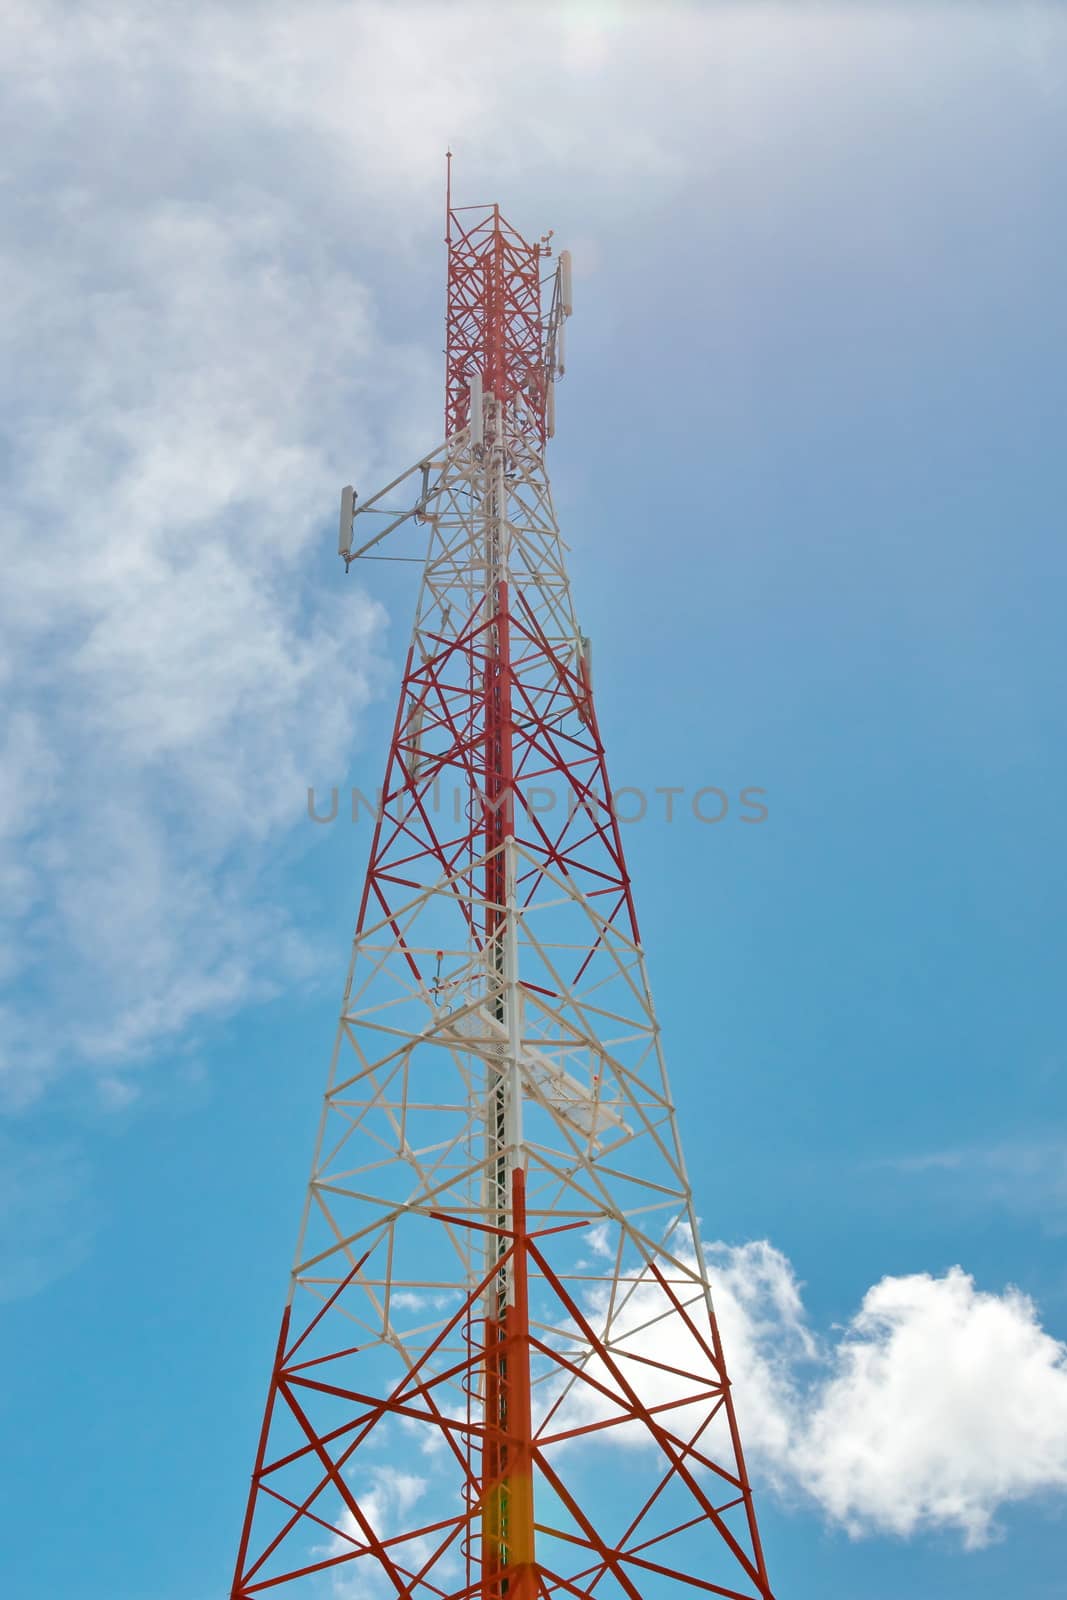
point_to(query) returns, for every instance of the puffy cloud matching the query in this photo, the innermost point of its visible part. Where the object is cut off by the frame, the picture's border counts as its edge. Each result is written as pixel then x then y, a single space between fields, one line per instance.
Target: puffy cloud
pixel 388 1499
pixel 937 1405
pixel 767 1345
pixel 941 1404
pixel 385 1504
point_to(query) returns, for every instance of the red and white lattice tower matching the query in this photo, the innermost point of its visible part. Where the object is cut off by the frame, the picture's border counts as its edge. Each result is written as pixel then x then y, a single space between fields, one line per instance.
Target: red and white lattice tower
pixel 498 1372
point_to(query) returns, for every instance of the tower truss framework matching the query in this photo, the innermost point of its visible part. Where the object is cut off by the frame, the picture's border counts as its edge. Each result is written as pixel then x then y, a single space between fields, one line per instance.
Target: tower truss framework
pixel 499 1373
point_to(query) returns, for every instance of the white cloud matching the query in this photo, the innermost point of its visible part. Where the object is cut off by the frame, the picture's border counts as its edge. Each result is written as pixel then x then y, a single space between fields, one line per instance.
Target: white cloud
pixel 768 1346
pixel 388 1502
pixel 179 683
pixel 188 373
pixel 935 1407
pixel 943 1404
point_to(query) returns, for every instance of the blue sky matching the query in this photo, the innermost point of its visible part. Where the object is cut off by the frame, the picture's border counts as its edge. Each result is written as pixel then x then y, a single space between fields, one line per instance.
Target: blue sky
pixel 809 461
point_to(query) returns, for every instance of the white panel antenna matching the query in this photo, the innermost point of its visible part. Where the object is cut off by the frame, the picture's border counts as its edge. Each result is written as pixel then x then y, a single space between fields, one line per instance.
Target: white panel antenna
pixel 348 511
pixel 565 293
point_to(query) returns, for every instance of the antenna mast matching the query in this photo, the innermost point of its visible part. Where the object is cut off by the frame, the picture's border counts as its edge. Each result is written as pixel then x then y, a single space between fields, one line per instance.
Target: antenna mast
pixel 499 1306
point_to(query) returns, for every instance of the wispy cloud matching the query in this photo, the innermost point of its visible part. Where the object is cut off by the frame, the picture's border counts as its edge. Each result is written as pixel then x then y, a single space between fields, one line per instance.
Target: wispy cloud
pixel 169 653
pixel 47 1215
pixel 185 370
pixel 1023 1176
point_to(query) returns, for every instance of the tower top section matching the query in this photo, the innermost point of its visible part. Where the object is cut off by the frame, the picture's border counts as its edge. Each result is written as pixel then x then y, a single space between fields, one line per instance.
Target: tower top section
pixel 499 341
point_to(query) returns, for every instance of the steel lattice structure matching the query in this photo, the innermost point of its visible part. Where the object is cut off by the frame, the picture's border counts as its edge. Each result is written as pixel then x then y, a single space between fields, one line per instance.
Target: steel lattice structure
pixel 498 1281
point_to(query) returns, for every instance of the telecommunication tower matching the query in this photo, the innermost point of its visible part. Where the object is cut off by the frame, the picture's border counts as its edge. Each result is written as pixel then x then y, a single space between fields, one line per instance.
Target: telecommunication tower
pixel 499 1374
